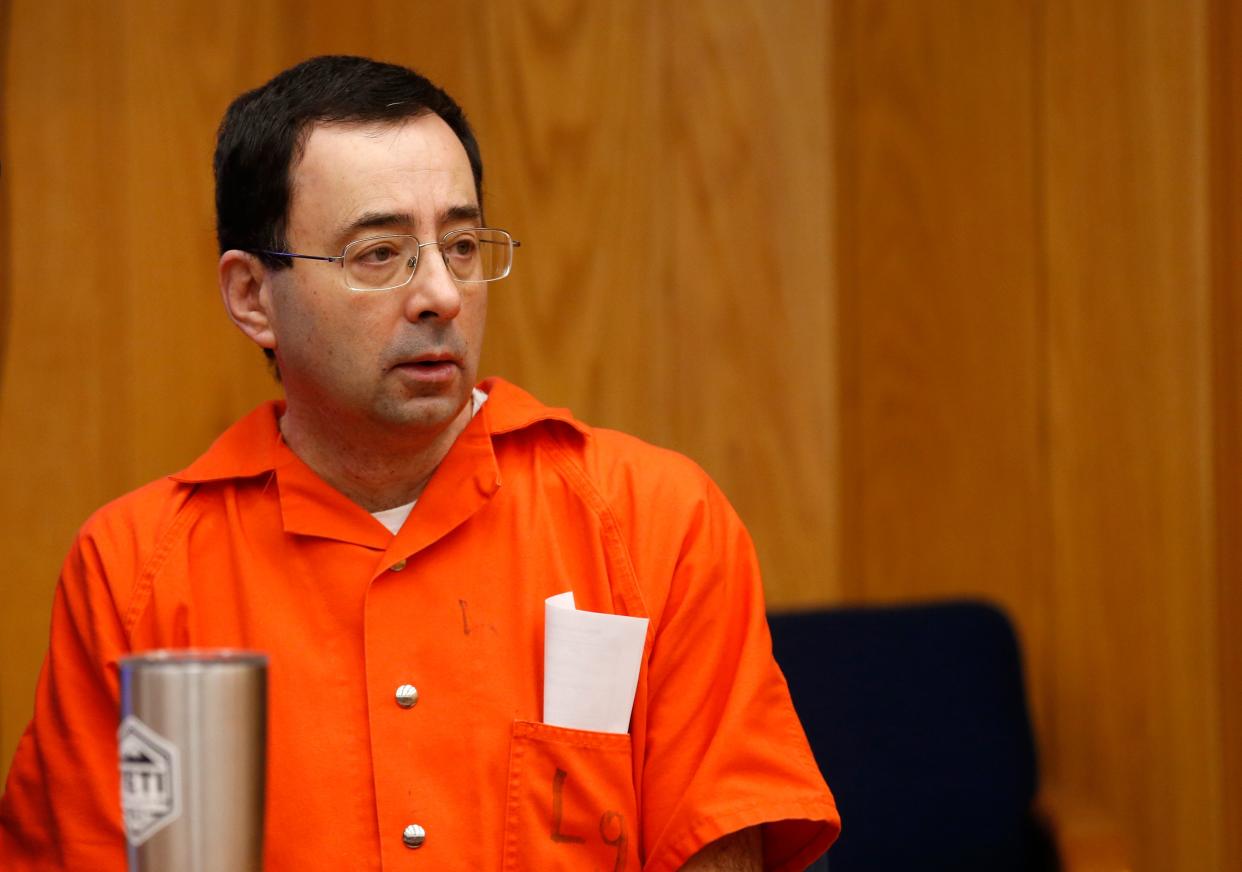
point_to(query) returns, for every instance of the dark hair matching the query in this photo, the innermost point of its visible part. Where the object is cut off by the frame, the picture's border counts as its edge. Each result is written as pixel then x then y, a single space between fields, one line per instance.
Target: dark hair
pixel 264 131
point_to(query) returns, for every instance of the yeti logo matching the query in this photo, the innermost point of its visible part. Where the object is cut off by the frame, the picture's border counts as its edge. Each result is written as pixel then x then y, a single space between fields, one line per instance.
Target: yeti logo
pixel 150 780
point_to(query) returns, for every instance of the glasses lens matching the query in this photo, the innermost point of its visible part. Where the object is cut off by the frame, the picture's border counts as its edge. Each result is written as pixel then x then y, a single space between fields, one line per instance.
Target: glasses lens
pixel 380 262
pixel 478 255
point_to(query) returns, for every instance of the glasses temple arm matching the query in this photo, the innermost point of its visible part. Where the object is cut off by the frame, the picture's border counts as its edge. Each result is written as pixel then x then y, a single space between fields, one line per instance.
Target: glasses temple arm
pixel 332 259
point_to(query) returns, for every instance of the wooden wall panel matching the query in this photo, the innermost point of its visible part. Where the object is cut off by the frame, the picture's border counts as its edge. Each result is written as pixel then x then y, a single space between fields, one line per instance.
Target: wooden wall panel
pixel 1225 112
pixel 943 470
pixel 1133 652
pixel 106 161
pixel 1025 371
pixel 5 303
pixel 747 285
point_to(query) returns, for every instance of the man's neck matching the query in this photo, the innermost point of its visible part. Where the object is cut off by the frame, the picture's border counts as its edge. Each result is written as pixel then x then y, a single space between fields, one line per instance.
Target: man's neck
pixel 382 468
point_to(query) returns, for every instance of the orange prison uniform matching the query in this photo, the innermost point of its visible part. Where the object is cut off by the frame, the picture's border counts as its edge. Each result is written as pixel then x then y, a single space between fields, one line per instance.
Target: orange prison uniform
pixel 248 548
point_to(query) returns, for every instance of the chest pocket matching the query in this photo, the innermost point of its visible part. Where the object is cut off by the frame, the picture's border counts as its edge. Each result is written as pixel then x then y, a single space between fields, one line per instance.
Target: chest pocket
pixel 570 801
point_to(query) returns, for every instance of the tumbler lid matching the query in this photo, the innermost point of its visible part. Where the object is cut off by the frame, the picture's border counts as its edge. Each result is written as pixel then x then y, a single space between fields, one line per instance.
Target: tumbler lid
pixel 196 656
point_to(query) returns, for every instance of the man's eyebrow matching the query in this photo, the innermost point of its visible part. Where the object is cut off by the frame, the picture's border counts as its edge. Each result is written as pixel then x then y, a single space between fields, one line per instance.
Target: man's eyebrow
pixel 384 220
pixel 372 220
pixel 465 212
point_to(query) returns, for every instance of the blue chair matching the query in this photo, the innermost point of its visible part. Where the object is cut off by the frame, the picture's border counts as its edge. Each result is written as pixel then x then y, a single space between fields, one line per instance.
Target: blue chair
pixel 917 715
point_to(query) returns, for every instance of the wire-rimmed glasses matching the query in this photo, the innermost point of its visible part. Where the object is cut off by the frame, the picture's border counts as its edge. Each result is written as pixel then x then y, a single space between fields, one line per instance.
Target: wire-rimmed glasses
pixel 381 263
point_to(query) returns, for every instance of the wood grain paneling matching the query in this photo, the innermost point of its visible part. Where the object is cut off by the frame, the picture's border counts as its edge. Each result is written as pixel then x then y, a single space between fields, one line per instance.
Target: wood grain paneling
pixel 6 297
pixel 1025 334
pixel 1225 111
pixel 1133 652
pixel 117 365
pixel 944 473
pixel 747 287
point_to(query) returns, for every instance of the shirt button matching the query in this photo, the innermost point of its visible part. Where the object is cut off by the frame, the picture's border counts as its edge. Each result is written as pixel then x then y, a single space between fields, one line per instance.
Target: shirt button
pixel 407 695
pixel 414 836
pixel 398 566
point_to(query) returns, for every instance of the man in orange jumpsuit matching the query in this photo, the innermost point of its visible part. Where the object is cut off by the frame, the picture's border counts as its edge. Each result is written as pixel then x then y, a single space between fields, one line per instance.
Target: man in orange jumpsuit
pixel 389 534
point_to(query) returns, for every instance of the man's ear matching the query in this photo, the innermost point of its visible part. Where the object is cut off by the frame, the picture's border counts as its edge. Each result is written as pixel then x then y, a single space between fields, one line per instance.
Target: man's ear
pixel 246 291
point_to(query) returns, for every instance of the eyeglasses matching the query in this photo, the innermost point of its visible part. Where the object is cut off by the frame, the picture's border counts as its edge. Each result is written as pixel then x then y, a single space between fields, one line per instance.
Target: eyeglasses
pixel 381 263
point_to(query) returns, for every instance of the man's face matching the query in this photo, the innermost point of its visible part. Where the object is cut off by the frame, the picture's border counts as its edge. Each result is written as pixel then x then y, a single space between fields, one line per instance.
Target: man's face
pixel 406 357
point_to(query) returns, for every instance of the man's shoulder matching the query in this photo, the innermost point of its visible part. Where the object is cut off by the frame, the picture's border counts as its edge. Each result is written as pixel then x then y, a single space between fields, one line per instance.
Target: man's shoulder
pixel 119 540
pixel 622 467
pixel 135 519
pixel 512 411
pixel 617 454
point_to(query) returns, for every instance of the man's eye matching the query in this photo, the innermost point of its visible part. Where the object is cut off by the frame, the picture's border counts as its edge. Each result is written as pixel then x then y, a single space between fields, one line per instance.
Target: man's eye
pixel 379 255
pixel 463 248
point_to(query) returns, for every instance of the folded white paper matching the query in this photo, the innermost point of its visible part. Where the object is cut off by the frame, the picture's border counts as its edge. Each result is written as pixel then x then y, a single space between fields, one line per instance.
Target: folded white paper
pixel 590 666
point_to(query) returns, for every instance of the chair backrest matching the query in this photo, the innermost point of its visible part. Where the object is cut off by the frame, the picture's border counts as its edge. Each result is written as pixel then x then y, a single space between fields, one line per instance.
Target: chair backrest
pixel 918 718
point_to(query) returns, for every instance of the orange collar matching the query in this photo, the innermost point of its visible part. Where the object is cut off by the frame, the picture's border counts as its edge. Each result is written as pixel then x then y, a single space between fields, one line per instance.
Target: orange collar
pixel 465 479
pixel 252 446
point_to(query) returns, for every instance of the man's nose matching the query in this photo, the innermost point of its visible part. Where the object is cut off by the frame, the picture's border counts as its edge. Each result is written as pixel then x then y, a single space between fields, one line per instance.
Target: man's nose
pixel 433 292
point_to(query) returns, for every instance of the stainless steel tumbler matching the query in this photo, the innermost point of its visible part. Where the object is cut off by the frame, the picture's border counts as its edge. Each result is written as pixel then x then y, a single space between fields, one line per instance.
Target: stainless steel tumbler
pixel 193 754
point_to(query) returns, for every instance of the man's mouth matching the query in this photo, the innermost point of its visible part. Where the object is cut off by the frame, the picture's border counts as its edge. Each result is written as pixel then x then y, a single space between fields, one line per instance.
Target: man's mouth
pixel 434 367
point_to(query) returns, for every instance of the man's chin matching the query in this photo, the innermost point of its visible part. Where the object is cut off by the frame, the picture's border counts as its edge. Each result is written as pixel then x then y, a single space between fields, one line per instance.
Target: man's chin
pixel 432 413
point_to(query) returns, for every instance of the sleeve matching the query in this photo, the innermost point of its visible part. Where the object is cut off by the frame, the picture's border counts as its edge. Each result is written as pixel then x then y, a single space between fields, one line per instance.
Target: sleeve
pixel 724 747
pixel 61 805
